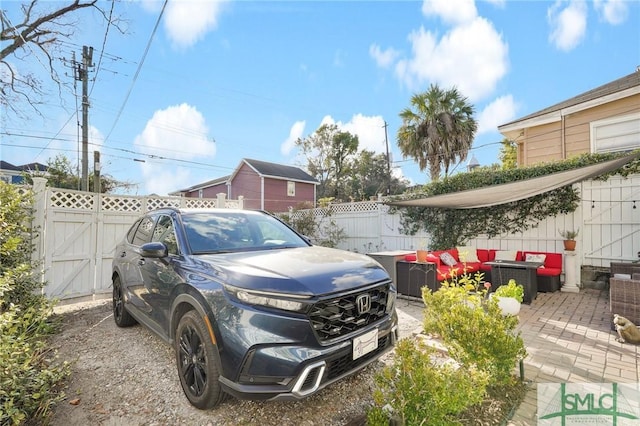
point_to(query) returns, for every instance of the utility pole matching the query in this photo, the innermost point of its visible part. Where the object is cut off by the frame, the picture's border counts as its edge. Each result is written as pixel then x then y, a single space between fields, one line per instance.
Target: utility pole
pixel 96 172
pixel 386 142
pixel 82 74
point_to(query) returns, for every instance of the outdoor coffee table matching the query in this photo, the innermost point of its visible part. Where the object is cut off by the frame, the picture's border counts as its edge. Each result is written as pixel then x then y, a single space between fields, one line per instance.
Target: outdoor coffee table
pixel 524 273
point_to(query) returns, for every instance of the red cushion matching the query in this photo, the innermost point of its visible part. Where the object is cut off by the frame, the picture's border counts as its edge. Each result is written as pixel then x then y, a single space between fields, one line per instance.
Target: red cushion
pixel 432 258
pixel 548 272
pixel 483 255
pixel 410 257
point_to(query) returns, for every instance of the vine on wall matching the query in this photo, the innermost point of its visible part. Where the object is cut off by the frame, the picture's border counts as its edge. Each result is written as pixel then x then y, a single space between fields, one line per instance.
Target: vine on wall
pixel 453 227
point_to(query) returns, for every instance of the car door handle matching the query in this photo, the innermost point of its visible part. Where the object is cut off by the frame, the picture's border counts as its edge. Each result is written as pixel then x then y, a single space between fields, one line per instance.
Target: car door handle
pixel 141 262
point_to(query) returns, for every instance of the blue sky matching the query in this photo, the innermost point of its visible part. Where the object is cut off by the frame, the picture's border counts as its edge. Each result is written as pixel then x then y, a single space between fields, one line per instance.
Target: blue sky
pixel 222 81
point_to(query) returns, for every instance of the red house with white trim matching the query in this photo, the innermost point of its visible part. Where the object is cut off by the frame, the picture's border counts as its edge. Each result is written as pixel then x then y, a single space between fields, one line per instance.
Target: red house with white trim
pixel 265 186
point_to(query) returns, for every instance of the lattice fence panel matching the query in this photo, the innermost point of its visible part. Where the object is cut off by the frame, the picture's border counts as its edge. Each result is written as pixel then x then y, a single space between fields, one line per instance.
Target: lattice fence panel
pixel 200 203
pixel 361 206
pixel 72 199
pixel 232 204
pixel 121 204
pixel 156 203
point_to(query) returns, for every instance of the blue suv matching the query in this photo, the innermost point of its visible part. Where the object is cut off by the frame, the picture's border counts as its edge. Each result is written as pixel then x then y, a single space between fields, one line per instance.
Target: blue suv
pixel 251 307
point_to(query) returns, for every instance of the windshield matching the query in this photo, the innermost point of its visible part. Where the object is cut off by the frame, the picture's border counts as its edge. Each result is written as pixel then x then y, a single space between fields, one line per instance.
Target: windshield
pixel 220 232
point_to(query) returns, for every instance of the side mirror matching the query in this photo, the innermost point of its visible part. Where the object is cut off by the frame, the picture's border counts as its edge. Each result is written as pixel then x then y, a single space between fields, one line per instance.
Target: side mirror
pixel 154 250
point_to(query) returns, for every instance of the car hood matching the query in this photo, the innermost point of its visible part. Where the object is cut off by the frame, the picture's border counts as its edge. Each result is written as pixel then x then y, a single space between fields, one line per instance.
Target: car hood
pixel 309 271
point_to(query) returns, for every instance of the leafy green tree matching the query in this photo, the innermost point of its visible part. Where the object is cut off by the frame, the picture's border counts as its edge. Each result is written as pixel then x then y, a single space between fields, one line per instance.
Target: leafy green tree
pixel 329 155
pixel 438 131
pixel 61 174
pixel 370 177
pixel 508 154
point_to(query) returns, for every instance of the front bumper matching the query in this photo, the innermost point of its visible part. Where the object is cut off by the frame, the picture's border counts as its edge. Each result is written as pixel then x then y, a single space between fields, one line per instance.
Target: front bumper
pixel 316 367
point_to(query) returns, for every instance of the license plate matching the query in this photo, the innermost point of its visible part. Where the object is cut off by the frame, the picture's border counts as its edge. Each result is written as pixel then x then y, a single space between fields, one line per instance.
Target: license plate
pixel 366 343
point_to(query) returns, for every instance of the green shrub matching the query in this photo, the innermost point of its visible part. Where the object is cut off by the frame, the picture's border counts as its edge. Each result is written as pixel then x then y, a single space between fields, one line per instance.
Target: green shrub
pixel 474 330
pixel 29 373
pixel 511 289
pixel 420 389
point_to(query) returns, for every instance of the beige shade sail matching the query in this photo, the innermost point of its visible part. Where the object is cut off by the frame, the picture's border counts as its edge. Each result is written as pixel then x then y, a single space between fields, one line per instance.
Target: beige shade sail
pixel 508 192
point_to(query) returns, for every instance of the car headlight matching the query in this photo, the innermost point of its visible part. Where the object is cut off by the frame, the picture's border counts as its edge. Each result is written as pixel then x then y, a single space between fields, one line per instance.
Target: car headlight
pixel 271 300
pixel 391 300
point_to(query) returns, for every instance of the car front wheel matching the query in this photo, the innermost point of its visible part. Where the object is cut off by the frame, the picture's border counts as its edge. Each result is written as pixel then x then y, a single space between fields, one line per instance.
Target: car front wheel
pixel 120 314
pixel 197 360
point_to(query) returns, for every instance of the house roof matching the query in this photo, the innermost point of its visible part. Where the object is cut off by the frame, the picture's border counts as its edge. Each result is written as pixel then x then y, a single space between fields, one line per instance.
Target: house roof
pixel 206 184
pixel 34 167
pixel 277 171
pixel 31 167
pixel 8 166
pixel 623 87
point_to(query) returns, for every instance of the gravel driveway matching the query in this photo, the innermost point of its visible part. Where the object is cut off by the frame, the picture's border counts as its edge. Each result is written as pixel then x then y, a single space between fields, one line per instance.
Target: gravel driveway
pixel 128 377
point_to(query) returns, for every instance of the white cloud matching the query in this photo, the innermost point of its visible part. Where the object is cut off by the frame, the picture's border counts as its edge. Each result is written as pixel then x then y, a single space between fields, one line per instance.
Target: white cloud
pixel 385 58
pixel 296 132
pixel 451 12
pixel 500 111
pixel 568 24
pixel 613 12
pixel 177 132
pixel 369 129
pixel 188 21
pixel 473 57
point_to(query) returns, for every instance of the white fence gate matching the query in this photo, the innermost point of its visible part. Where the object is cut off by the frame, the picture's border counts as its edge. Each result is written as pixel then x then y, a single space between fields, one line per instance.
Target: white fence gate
pixel 78 232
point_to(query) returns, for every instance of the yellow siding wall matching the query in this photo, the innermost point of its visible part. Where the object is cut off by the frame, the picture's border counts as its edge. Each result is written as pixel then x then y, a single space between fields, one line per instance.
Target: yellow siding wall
pixel 544 143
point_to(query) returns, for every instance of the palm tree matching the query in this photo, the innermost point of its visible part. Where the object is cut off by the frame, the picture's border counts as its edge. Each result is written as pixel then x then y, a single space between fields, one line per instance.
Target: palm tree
pixel 439 131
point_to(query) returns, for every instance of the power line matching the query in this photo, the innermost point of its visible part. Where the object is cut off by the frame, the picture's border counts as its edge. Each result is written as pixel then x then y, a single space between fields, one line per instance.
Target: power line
pixel 135 77
pixel 104 42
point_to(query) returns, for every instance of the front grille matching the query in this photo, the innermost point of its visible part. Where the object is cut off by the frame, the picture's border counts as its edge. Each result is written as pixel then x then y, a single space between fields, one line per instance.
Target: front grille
pixel 337 317
pixel 337 367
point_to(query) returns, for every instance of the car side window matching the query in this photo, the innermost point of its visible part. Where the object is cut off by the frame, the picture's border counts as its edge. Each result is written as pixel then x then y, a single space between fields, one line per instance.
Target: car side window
pixel 143 233
pixel 132 231
pixel 165 233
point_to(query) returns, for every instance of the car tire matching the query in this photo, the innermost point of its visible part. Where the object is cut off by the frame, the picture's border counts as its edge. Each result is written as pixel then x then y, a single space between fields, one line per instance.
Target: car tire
pixel 121 316
pixel 198 362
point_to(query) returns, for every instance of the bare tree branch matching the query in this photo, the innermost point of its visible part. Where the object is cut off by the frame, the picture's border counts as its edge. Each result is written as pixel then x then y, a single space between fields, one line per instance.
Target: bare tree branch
pixel 37 33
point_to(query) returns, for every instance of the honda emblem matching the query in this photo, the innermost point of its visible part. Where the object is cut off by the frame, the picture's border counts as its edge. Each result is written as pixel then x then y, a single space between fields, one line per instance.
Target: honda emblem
pixel 363 303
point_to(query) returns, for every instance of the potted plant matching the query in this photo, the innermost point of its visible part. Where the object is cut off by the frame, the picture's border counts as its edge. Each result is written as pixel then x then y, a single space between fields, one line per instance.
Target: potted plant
pixel 510 297
pixel 569 238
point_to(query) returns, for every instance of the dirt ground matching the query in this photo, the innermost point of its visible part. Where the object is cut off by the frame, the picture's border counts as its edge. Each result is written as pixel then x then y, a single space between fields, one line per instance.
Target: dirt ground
pixel 128 377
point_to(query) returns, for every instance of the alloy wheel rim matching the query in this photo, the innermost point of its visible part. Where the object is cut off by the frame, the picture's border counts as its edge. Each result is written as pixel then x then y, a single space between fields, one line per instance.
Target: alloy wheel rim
pixel 193 361
pixel 117 302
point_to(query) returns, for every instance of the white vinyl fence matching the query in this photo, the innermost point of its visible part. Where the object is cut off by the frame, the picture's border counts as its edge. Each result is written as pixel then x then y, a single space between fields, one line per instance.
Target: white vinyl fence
pixel 78 232
pixel 608 218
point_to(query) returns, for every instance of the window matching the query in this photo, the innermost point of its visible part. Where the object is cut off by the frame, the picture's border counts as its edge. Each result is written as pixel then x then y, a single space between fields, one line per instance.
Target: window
pixel 615 134
pixel 164 233
pixel 291 189
pixel 143 233
pixel 132 231
pixel 200 193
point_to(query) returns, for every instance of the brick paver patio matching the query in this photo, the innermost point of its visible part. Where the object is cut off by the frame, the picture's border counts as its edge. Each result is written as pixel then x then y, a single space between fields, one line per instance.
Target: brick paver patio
pixel 569 339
